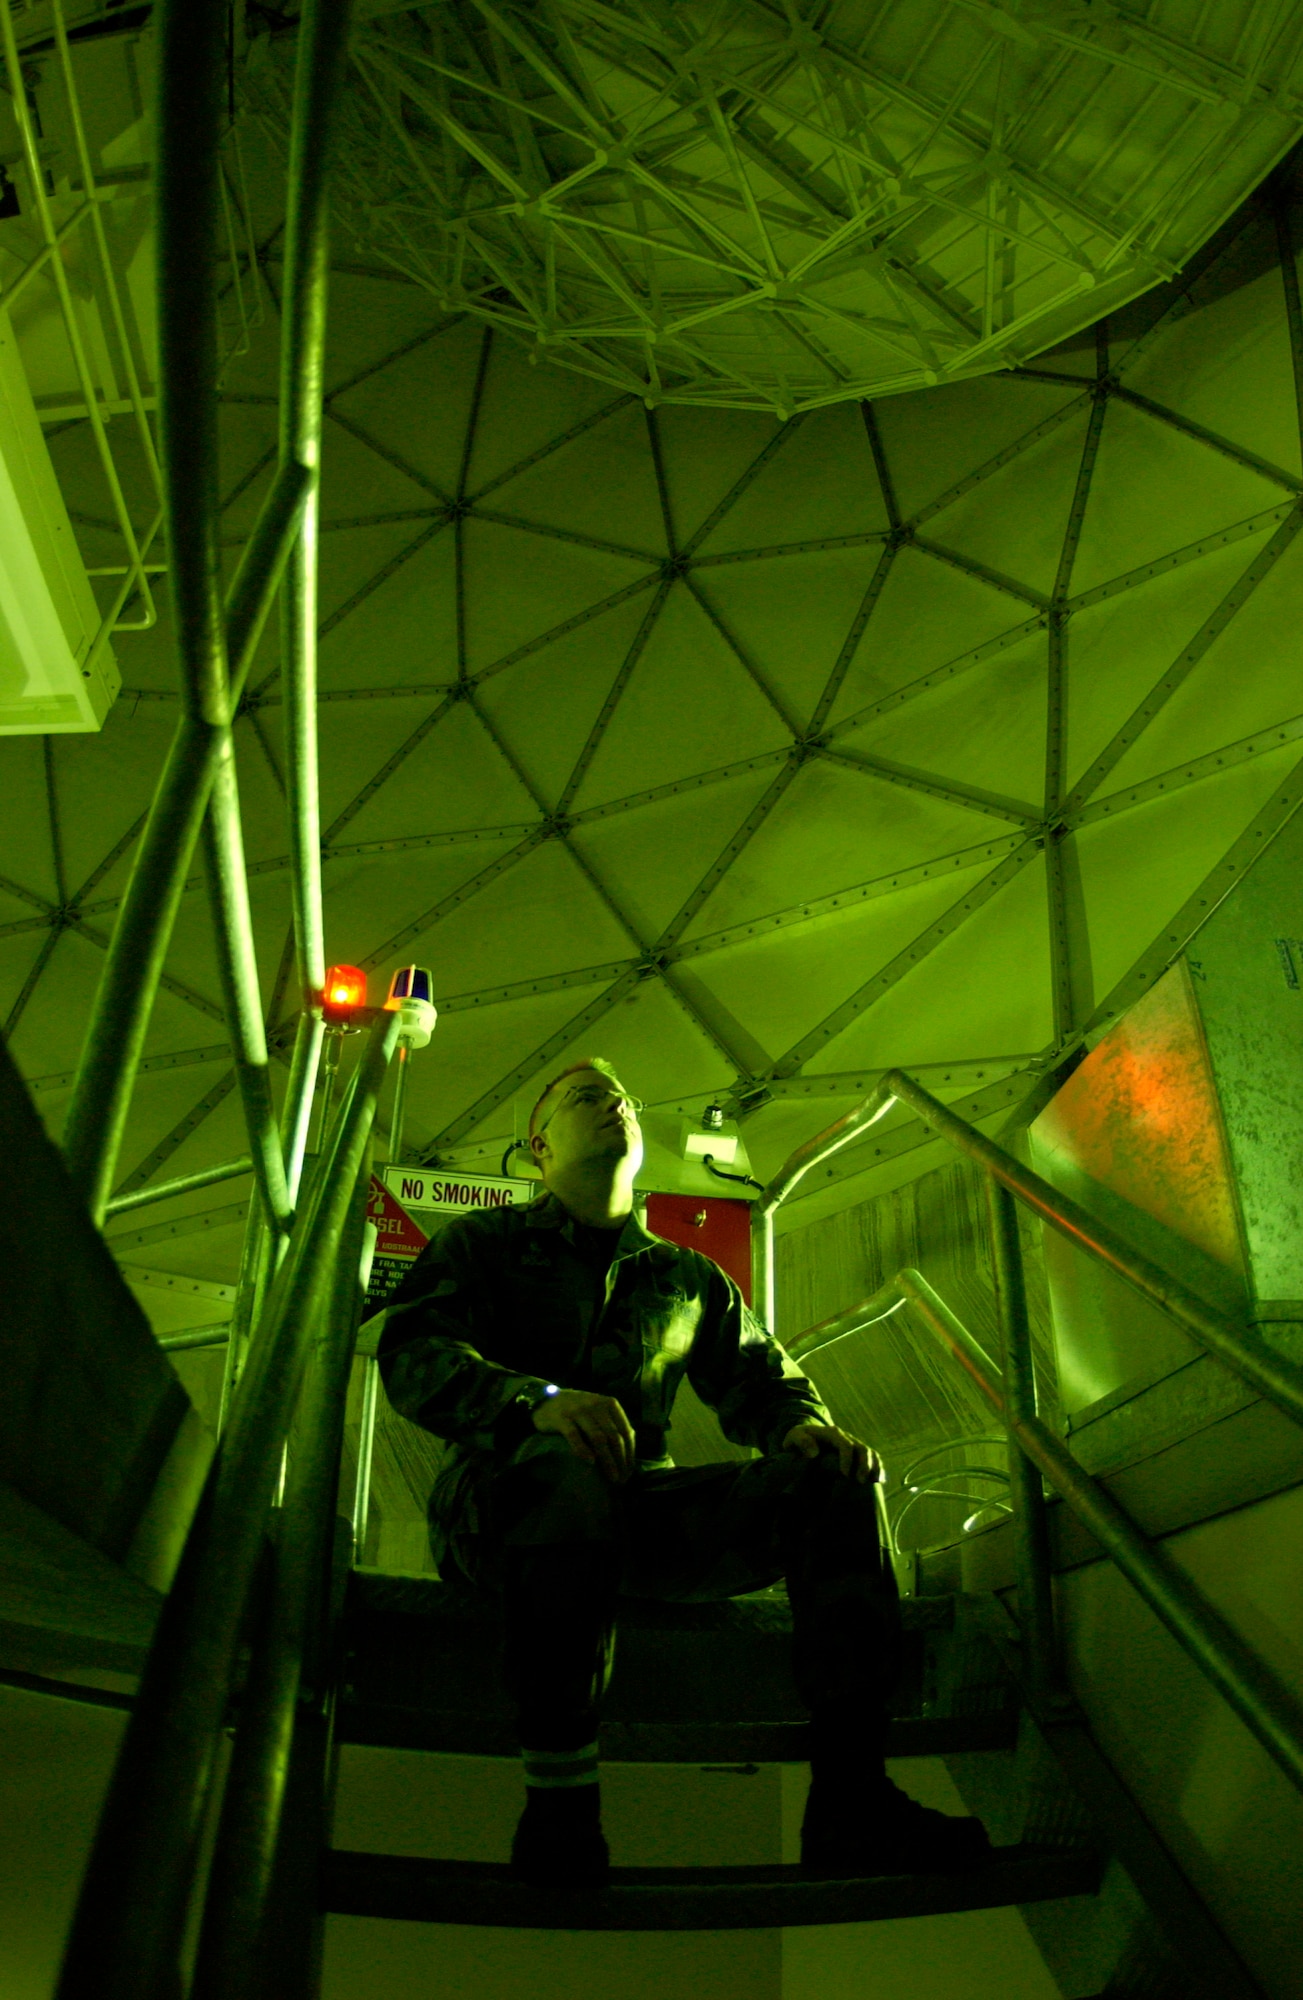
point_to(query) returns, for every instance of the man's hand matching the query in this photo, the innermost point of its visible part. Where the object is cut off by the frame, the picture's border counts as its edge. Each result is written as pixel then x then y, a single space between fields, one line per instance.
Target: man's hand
pixel 595 1428
pixel 857 1459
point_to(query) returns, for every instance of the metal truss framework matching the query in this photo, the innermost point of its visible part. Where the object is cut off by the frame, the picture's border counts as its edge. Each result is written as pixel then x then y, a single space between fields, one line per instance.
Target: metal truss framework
pixel 758 204
pixel 1047 827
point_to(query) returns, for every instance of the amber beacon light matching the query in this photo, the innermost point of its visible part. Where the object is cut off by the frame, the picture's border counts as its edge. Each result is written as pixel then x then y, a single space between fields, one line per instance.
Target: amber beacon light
pixel 343 994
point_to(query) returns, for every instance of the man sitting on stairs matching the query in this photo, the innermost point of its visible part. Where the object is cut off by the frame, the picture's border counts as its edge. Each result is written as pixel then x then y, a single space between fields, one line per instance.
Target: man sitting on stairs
pixel 546 1343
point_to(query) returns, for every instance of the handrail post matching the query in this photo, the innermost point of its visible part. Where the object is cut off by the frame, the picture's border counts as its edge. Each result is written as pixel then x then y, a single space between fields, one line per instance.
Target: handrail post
pixel 366 1437
pixel 762 1263
pixel 1032 1565
pixel 842 1132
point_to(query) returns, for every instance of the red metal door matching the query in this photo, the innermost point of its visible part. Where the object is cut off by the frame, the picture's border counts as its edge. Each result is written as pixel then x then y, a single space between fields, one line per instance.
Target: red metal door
pixel 714 1224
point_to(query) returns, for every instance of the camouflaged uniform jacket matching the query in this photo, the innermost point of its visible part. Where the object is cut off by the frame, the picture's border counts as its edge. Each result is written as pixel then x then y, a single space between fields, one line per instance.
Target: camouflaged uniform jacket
pixel 503 1302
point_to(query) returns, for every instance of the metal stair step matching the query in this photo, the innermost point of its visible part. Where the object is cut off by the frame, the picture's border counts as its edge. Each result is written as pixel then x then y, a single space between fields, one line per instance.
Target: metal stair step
pixel 397 1728
pixel 421 1667
pixel 686 1899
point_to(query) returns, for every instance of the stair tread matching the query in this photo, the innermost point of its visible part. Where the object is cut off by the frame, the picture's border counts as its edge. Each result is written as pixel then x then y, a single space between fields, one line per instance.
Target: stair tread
pixel 396 1727
pixel 373 1592
pixel 410 1889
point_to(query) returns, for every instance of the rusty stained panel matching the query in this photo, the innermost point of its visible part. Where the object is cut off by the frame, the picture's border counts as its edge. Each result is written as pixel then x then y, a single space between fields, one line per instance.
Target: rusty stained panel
pixel 1248 982
pixel 1136 1136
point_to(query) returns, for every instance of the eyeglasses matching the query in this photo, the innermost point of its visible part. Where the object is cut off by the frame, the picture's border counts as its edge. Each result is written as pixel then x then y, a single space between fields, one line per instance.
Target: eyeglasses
pixel 591 1095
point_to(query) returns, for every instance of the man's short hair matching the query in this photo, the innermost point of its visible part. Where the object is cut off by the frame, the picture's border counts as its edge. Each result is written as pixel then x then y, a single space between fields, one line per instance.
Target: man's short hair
pixel 599 1063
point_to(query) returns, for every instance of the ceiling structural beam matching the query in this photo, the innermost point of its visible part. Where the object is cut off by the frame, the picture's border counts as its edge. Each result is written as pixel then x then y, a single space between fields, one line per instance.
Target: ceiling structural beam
pixel 729 853
pixel 979 571
pixel 957 1071
pixel 201 1224
pixel 1287 260
pixel 408 843
pixel 393 946
pixel 1195 771
pixel 1066 412
pixel 392 458
pixel 459 504
pixel 1201 265
pixel 27 924
pixel 530 989
pixel 391 518
pixel 675 787
pixel 166 980
pixel 1200 434
pixel 846 899
pixel 1067 924
pixel 743 657
pixel 395 354
pixel 574 623
pixel 949 790
pixel 265 458
pixel 773 551
pixel 549 533
pixel 1186 661
pixel 1184 926
pixel 534 1064
pixel 905 961
pixel 1254 524
pixel 58 925
pixel 378 578
pixel 176 1281
pixel 63 1079
pixel 392 763
pixel 744 481
pixel 624 674
pixel 886 484
pixel 649 959
pixel 555 444
pixel 184 1129
pixel 850 644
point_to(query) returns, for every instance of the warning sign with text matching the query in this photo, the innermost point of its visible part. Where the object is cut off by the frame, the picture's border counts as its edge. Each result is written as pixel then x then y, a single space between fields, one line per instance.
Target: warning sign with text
pixel 420 1188
pixel 398 1243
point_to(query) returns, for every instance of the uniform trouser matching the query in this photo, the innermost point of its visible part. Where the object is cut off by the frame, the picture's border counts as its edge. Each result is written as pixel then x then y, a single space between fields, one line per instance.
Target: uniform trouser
pixel 561 1543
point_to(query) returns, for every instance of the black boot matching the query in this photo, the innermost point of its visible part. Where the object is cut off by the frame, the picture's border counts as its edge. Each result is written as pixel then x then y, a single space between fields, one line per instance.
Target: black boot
pixel 559 1842
pixel 879 1830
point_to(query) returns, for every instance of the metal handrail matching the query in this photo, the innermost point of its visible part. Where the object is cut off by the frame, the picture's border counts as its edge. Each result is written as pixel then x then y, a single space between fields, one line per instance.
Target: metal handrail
pixel 131 1915
pixel 1232 1342
pixel 1266 1706
pixel 1262 1701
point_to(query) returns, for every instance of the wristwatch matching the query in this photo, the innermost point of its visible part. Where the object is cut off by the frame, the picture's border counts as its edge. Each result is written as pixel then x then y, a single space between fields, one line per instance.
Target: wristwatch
pixel 531 1399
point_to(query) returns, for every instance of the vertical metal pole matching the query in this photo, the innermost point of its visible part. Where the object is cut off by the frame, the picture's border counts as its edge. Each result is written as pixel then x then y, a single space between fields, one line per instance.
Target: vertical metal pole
pixel 131 1914
pixel 365 1449
pixel 289 1654
pixel 192 65
pixel 400 1104
pixel 762 1263
pixel 1031 1529
pixel 237 963
pixel 323 42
